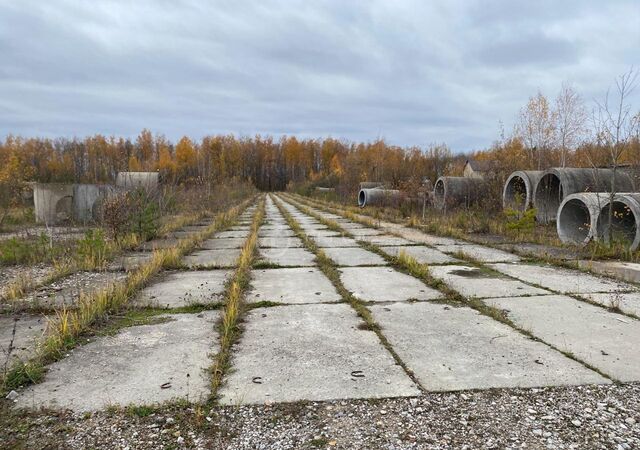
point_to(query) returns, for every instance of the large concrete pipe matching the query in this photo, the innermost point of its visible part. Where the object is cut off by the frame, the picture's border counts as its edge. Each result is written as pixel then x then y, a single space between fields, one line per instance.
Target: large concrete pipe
pixel 325 189
pixel 370 185
pixel 577 215
pixel 557 183
pixel 88 200
pixel 519 189
pixel 52 202
pixel 625 223
pixel 457 191
pixel 378 197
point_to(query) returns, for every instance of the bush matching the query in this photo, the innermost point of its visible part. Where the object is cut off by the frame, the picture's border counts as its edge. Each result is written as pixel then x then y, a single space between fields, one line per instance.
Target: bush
pixel 131 212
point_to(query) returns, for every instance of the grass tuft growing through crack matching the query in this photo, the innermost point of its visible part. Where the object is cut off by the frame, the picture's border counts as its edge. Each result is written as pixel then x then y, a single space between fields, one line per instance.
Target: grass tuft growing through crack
pixel 229 324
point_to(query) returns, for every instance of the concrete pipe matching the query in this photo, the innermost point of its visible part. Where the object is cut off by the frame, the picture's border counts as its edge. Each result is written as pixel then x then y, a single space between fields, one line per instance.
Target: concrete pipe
pixel 457 191
pixel 371 185
pixel 519 189
pixel 555 184
pixel 378 197
pixel 577 215
pixel 325 189
pixel 52 202
pixel 625 222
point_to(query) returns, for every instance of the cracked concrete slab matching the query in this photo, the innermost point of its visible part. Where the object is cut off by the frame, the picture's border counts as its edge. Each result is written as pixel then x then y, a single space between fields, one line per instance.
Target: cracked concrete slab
pixel 321 232
pixel 224 257
pixel 158 244
pixel 22 345
pixel 178 289
pixel 384 284
pixel 288 256
pixel 311 352
pixel 244 233
pixel 279 242
pixel 385 239
pixel 353 256
pixel 562 280
pixel 454 348
pixel 276 233
pixel 220 243
pixel 474 282
pixel 334 241
pixel 627 302
pixel 480 253
pixel 422 254
pixel 130 261
pixel 292 285
pixel 140 365
pixel 604 340
pixel 360 232
pixel 622 270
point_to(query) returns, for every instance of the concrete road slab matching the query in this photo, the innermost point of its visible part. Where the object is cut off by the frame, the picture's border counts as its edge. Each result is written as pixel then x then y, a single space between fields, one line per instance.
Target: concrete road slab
pixel 383 284
pixel 21 346
pixel 311 352
pixel 385 239
pixel 158 244
pixel 473 282
pixel 604 340
pixel 321 233
pixel 453 348
pixel 130 261
pixel 224 257
pixel 562 280
pixel 283 226
pixel 622 270
pixel 422 254
pixel 279 242
pixel 353 256
pixel 220 243
pixel 295 257
pixel 242 234
pixel 292 285
pixel 276 233
pixel 480 253
pixel 140 365
pixel 415 235
pixel 360 232
pixel 183 234
pixel 627 302
pixel 351 225
pixel 178 289
pixel 334 241
pixel 313 226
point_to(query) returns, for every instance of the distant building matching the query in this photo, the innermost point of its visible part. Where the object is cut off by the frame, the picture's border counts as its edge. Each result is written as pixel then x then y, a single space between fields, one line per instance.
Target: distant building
pixel 479 169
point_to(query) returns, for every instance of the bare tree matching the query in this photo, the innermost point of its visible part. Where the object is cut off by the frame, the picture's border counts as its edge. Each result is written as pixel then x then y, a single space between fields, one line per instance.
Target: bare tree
pixel 536 128
pixel 571 117
pixel 614 127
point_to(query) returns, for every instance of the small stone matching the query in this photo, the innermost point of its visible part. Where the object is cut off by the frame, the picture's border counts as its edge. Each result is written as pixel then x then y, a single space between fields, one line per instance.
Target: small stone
pixel 170 420
pixel 576 423
pixel 630 420
pixel 537 432
pixel 180 440
pixel 12 395
pixel 383 412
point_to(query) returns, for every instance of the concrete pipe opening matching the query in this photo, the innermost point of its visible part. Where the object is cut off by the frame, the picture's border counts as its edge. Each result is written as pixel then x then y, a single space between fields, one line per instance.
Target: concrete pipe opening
pixel 516 193
pixel 438 193
pixel 624 223
pixel 362 198
pixel 379 197
pixel 576 217
pixel 548 196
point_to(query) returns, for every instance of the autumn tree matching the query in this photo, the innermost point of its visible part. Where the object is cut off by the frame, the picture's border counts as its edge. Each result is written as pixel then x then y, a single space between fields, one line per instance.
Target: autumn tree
pixel 536 127
pixel 571 116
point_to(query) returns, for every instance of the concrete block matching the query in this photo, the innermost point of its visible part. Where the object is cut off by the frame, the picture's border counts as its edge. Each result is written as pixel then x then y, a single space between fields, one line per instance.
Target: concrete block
pixel 279 242
pixel 288 256
pixel 334 241
pixel 158 244
pixel 622 270
pixel 422 254
pixel 311 352
pixel 473 282
pixel 455 348
pixel 130 261
pixel 353 256
pixel 562 280
pixel 140 365
pixel 220 243
pixel 276 233
pixel 480 253
pixel 313 233
pixel 292 285
pixel 385 239
pixel 602 339
pixel 177 289
pixel 383 284
pixel 224 257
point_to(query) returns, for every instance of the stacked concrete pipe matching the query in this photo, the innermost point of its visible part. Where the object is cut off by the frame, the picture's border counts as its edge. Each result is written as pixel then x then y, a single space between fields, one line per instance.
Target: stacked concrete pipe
pixel 577 215
pixel 457 191
pixel 626 219
pixel 519 189
pixel 557 183
pixel 378 197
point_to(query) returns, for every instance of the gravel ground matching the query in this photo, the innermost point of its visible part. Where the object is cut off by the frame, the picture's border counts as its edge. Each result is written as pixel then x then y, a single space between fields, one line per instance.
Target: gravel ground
pixel 573 417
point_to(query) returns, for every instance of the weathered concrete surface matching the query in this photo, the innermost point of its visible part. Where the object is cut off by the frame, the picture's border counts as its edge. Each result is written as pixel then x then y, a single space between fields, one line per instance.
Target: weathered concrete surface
pixel 279 242
pixel 627 302
pixel 604 340
pixel 311 352
pixel 283 226
pixel 288 256
pixel 224 257
pixel 276 233
pixel 451 348
pixel 130 261
pixel 336 241
pixel 473 282
pixel 480 253
pixel 561 280
pixel 183 234
pixel 243 234
pixel 359 232
pixel 622 270
pixel 383 284
pixel 353 256
pixel 220 243
pixel 159 244
pixel 28 328
pixel 541 251
pixel 292 285
pixel 313 226
pixel 179 289
pixel 424 255
pixel 321 232
pixel 132 367
pixel 385 240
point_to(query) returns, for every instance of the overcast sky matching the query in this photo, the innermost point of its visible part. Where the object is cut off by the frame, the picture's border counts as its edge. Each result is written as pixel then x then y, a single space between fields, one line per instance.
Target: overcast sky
pixel 412 72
